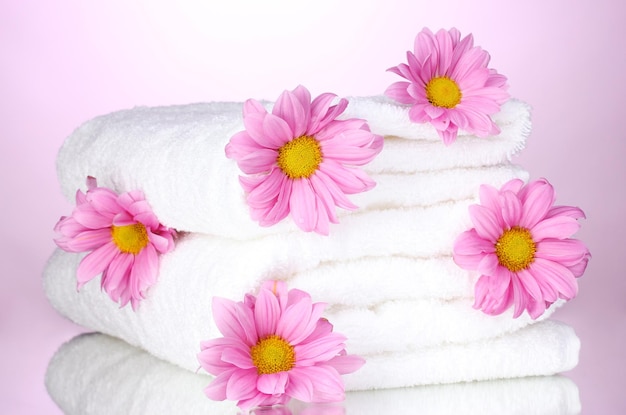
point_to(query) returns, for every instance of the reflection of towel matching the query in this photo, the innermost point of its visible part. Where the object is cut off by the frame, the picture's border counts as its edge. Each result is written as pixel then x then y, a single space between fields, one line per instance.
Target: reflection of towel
pixel 176 316
pixel 117 378
pixel 175 155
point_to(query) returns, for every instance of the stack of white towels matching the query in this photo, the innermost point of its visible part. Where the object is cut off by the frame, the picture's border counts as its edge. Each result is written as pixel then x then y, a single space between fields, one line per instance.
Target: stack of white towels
pixel 385 270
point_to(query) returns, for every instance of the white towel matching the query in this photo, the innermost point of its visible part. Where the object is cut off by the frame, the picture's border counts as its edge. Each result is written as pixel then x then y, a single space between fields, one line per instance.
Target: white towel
pixel 175 155
pixel 176 316
pixel 117 378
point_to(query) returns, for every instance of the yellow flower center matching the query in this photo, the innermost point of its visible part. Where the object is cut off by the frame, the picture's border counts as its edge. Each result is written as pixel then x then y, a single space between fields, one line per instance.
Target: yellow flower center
pixel 443 92
pixel 272 355
pixel 130 239
pixel 515 249
pixel 300 157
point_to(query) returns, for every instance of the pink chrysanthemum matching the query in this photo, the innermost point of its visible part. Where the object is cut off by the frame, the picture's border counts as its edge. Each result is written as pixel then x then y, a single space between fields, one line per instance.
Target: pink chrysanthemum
pixel 521 245
pixel 301 159
pixel 450 85
pixel 125 238
pixel 276 346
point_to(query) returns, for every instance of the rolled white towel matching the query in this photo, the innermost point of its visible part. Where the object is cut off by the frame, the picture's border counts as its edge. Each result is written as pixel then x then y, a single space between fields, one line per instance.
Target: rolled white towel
pixel 118 378
pixel 176 316
pixel 175 155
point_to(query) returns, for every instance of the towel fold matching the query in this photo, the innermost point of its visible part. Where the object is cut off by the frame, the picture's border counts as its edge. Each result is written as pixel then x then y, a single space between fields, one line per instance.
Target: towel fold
pixel 176 316
pixel 544 348
pixel 118 378
pixel 175 155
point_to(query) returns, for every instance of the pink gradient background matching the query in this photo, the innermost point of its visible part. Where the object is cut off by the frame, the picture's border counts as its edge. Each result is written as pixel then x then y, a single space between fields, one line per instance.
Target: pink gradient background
pixel 64 62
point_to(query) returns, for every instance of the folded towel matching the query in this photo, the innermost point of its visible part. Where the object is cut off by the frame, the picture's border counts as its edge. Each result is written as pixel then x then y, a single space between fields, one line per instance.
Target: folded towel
pixel 176 316
pixel 545 348
pixel 175 155
pixel 118 378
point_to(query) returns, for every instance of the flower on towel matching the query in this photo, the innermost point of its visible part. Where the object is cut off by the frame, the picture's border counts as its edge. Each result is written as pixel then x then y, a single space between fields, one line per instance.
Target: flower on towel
pixel 123 237
pixel 276 346
pixel 449 85
pixel 521 246
pixel 301 159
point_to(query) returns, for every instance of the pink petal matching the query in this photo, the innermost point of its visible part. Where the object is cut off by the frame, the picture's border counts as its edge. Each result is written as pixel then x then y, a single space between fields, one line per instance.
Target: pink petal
pixel 336 189
pixel 559 227
pixel 217 388
pixel 144 271
pixel 449 135
pixel 277 131
pixel 300 386
pixel 162 239
pixel 240 145
pixel 326 382
pixel 272 384
pixel 488 264
pixel 423 44
pixel 511 209
pixel 349 181
pixel 557 275
pixel 530 284
pixel 322 222
pixel 238 357
pixel 102 200
pixel 514 185
pixel 241 384
pixel 519 296
pixel 304 97
pixel 90 218
pixel 319 350
pixel 535 308
pixel 259 161
pixel 322 113
pixel 210 357
pixel 570 211
pixel 234 320
pixel 537 198
pixel 262 400
pixel 445 48
pixel 345 363
pixel 265 190
pixel 398 92
pixel 486 223
pixel 116 278
pixel 88 240
pixel 578 269
pixel 266 313
pixel 299 320
pixel 325 196
pixel 289 108
pixel 567 252
pixel 470 243
pixel 252 106
pixel 280 208
pixel 302 205
pixel 95 263
pixel 400 70
pixel 255 128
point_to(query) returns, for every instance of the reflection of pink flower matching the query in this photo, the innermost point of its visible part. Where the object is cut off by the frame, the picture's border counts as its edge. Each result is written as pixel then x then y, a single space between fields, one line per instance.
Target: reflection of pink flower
pixel 449 85
pixel 125 238
pixel 520 244
pixel 276 346
pixel 301 159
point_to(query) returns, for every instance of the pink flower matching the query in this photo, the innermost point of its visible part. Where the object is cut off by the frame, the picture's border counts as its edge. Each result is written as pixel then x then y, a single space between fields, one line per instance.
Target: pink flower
pixel 276 346
pixel 124 239
pixel 301 159
pixel 521 245
pixel 450 85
